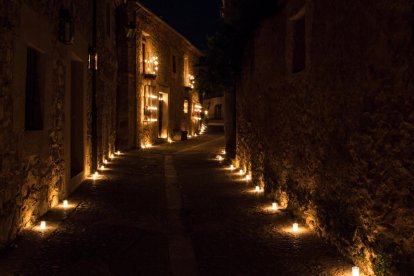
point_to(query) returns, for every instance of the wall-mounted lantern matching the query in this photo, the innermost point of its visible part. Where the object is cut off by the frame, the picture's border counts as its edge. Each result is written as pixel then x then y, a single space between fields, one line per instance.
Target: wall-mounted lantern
pixel 92 59
pixel 66 27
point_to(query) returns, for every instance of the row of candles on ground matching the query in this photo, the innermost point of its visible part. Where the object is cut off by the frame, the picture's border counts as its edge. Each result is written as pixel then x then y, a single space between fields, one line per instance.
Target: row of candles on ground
pixel 65 203
pixel 169 140
pixel 275 207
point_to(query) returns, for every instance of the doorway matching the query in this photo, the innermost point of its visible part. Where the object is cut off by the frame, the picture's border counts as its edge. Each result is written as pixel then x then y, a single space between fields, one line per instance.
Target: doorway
pixel 162 115
pixel 76 119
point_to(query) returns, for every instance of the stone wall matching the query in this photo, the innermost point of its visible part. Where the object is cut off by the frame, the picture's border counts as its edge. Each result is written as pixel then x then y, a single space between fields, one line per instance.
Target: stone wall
pixel 334 142
pixel 34 165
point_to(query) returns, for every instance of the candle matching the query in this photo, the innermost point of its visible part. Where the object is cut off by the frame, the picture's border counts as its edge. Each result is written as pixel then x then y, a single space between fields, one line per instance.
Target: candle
pixel 248 177
pixel 241 172
pixel 257 189
pixel 65 203
pixel 43 225
pixel 295 227
pixel 231 167
pixel 105 161
pixel 355 271
pixel 274 206
pixel 118 152
pixel 102 167
pixel 111 156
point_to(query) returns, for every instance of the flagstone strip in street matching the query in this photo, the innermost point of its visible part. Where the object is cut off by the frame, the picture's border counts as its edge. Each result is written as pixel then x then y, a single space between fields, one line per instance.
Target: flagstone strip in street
pixel 181 252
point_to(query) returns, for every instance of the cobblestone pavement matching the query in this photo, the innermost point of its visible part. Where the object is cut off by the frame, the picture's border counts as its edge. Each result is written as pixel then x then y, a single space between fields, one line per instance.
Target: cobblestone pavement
pixel 118 225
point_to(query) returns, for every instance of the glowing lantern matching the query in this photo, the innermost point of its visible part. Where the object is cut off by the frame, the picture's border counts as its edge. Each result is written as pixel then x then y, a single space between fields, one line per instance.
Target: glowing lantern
pixel 105 161
pixel 111 156
pixel 257 189
pixel 118 153
pixel 274 206
pixel 169 140
pixel 219 157
pixel 231 167
pixel 248 177
pixel 43 225
pixel 295 227
pixel 241 172
pixel 223 152
pixel 65 204
pixel 355 271
pixel 102 167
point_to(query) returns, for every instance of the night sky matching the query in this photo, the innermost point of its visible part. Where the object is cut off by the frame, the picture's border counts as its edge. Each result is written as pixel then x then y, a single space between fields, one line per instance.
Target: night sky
pixel 195 19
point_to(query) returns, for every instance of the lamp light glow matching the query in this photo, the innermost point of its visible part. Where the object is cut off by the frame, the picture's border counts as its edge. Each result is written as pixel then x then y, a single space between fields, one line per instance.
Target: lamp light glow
pixel 105 161
pixel 295 227
pixel 274 206
pixel 43 225
pixel 231 167
pixel 248 177
pixel 219 158
pixel 102 167
pixel 118 152
pixel 257 189
pixel 112 156
pixel 65 204
pixel 241 172
pixel 355 271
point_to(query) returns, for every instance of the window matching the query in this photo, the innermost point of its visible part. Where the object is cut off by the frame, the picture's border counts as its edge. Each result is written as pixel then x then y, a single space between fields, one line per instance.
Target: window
pixel 186 72
pixel 33 93
pixel 185 108
pixel 108 19
pixel 217 112
pixel 299 42
pixel 174 65
pixel 144 58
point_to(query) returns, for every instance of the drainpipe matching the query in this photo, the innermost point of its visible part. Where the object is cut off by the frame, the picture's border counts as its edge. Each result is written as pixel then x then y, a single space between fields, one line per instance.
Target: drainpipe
pixel 94 105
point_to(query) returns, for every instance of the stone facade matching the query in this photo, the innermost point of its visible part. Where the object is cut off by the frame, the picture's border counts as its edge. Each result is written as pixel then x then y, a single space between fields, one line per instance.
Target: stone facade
pixel 49 82
pixel 156 44
pixel 325 122
pixel 39 167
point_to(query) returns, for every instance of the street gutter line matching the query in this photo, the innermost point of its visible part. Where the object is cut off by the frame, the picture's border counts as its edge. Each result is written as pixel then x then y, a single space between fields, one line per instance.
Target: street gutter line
pixel 182 257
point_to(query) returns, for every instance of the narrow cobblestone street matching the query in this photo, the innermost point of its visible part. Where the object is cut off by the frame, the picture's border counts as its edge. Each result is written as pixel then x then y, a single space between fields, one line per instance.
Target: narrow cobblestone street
pixel 126 224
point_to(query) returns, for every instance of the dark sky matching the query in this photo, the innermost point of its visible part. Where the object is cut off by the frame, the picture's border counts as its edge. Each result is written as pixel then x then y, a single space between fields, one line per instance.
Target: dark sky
pixel 195 19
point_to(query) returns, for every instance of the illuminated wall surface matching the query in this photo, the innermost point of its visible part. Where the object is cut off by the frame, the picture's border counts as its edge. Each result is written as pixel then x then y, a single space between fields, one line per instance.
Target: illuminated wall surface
pixel 325 119
pixel 46 97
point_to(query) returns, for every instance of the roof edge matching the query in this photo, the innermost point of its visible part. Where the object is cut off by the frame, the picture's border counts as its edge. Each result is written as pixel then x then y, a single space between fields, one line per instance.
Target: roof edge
pixel 140 5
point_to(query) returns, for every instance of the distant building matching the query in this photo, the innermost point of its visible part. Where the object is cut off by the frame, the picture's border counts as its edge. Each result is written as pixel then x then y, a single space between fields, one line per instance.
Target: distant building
pixel 214 109
pixel 167 100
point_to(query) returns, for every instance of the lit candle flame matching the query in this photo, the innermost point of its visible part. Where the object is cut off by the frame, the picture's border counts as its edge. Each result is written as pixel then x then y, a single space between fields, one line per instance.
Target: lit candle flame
pixel 65 204
pixel 295 227
pixel 274 206
pixel 43 225
pixel 257 189
pixel 355 271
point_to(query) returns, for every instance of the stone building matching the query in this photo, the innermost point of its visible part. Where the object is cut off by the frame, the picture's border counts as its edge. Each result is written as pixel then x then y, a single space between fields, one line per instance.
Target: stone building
pixel 214 110
pixel 73 90
pixel 325 122
pixel 47 86
pixel 162 82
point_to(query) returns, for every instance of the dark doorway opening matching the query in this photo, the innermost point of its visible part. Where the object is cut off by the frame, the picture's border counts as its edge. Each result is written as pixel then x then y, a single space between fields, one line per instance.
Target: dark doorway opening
pixel 76 119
